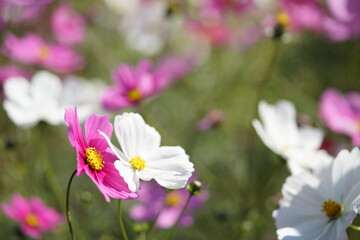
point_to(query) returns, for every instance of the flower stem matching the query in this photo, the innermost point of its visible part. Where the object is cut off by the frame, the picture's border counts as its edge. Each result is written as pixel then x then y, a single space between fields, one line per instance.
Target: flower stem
pixel 67 209
pixel 355 227
pixel 121 223
pixel 173 229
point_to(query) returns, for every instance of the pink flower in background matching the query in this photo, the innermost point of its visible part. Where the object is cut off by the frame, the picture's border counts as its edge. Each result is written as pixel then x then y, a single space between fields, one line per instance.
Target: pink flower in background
pixel 151 198
pixel 94 156
pixel 341 113
pixel 133 84
pixel 33 215
pixel 213 118
pixel 21 10
pixel 7 71
pixel 222 6
pixel 344 22
pixel 32 49
pixel 304 14
pixel 68 26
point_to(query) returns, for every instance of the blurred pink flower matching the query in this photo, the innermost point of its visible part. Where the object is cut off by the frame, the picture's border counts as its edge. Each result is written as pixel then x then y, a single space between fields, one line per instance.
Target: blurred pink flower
pixel 304 14
pixel 344 22
pixel 223 6
pixel 94 156
pixel 213 118
pixel 133 84
pixel 32 49
pixel 151 198
pixel 21 10
pixel 33 215
pixel 67 26
pixel 7 71
pixel 342 113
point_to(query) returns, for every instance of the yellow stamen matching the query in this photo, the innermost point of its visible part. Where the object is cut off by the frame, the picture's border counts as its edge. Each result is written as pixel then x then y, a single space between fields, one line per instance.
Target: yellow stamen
pixel 137 163
pixel 43 53
pixel 283 19
pixel 94 159
pixel 332 209
pixel 173 199
pixel 134 95
pixel 32 220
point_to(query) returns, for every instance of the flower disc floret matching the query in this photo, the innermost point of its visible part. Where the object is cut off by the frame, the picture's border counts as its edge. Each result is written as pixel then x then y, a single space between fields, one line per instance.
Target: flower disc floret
pixel 137 163
pixel 94 159
pixel 32 220
pixel 332 209
pixel 134 95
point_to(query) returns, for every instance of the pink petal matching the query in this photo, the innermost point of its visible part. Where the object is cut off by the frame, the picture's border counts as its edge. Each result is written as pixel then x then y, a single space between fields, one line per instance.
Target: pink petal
pixel 75 133
pixel 95 123
pixel 114 100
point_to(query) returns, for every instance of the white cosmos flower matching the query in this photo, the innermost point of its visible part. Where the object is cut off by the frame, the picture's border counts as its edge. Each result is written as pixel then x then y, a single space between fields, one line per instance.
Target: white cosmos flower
pixel 320 206
pixel 298 145
pixel 143 158
pixel 45 97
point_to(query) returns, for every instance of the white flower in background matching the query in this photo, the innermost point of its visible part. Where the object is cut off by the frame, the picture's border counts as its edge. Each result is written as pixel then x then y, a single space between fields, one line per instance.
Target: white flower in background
pixel 143 158
pixel 144 24
pixel 45 97
pixel 320 206
pixel 298 145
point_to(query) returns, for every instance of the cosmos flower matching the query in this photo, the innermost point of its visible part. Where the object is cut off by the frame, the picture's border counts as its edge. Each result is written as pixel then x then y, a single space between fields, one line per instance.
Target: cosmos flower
pixel 151 199
pixel 143 158
pixel 320 206
pixel 133 84
pixel 67 26
pixel 298 145
pixel 8 71
pixel 34 216
pixel 93 155
pixel 21 10
pixel 45 97
pixel 32 49
pixel 341 113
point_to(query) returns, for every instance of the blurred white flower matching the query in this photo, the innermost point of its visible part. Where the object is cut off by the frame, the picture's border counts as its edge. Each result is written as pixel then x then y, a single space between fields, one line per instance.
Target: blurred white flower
pixel 45 97
pixel 144 24
pixel 143 158
pixel 320 206
pixel 298 145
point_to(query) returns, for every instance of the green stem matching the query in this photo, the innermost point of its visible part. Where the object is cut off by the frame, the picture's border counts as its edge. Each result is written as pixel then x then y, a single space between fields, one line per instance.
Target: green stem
pixel 355 227
pixel 121 223
pixel 67 209
pixel 173 229
pixel 48 169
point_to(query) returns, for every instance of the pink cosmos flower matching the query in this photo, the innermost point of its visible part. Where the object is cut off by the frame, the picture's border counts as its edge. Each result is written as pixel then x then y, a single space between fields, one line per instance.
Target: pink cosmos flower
pixel 341 113
pixel 223 6
pixel 151 198
pixel 22 10
pixel 32 49
pixel 67 26
pixel 304 14
pixel 133 84
pixel 93 155
pixel 33 215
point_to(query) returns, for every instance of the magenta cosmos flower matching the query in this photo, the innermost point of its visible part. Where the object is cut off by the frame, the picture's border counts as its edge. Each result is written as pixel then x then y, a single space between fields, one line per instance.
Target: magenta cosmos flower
pixel 93 155
pixel 33 215
pixel 151 198
pixel 68 26
pixel 32 49
pixel 341 113
pixel 133 84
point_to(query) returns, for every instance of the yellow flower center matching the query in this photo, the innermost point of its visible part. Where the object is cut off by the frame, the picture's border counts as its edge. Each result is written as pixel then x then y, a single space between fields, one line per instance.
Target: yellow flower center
pixel 283 19
pixel 94 159
pixel 32 220
pixel 332 209
pixel 43 53
pixel 134 95
pixel 137 163
pixel 173 199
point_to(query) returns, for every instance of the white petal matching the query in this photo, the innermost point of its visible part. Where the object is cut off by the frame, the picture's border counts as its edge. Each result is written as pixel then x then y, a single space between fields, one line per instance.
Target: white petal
pixel 45 87
pixel 22 117
pixel 136 138
pixel 17 90
pixel 264 136
pixel 128 174
pixel 310 138
pixel 169 166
